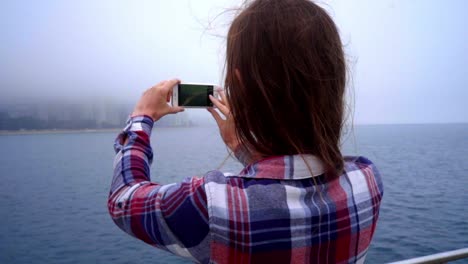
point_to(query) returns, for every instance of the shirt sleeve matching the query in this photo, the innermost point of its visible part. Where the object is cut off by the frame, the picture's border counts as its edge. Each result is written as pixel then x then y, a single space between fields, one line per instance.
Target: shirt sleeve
pixel 171 217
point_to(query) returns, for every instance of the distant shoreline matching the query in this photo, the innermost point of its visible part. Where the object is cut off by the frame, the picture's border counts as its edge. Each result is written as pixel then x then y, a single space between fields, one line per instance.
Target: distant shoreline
pixel 103 130
pixel 57 131
pixel 71 131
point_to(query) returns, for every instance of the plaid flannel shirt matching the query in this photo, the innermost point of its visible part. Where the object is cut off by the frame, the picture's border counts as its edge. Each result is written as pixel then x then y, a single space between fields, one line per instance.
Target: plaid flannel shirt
pixel 273 211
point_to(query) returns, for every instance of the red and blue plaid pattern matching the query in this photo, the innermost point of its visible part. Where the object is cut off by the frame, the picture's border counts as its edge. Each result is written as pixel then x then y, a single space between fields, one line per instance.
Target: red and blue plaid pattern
pixel 277 210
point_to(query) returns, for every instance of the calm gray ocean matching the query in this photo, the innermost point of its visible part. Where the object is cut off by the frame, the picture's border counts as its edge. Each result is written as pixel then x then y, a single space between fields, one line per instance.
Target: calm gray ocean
pixel 54 189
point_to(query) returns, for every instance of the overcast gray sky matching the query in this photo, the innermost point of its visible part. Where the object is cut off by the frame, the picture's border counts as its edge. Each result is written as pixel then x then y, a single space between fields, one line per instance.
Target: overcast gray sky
pixel 409 59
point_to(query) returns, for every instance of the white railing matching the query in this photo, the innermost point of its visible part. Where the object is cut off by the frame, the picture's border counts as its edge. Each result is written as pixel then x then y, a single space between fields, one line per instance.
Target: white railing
pixel 437 258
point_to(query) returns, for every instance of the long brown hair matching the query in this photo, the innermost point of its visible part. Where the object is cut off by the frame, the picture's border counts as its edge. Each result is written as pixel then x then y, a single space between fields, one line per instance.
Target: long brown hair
pixel 285 80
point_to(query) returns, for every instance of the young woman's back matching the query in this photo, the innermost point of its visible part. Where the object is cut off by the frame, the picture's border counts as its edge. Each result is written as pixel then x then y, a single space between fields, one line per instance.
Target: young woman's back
pixel 276 212
pixel 297 200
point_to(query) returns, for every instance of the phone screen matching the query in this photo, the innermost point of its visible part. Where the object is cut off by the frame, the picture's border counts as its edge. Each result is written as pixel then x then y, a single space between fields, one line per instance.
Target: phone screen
pixel 195 95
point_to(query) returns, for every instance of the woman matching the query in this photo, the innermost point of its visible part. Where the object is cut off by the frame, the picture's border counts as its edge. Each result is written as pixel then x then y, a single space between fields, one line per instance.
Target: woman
pixel 298 200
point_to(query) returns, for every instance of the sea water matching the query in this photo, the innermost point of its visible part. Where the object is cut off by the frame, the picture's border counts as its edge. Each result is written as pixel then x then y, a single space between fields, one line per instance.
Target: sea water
pixel 54 191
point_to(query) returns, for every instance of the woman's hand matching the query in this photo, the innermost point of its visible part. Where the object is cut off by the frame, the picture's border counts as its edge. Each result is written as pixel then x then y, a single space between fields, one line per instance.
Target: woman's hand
pixel 226 126
pixel 154 101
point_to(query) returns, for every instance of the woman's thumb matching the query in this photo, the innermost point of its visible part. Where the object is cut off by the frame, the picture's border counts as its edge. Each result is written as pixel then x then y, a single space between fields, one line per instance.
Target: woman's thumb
pixel 176 109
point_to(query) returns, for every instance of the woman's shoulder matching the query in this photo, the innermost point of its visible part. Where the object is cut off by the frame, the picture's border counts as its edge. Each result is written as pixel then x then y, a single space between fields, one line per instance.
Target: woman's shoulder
pixel 216 176
pixel 357 163
pixel 357 159
pixel 358 166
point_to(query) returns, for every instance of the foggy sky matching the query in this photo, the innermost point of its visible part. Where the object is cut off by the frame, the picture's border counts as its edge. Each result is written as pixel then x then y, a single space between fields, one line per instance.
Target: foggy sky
pixel 409 59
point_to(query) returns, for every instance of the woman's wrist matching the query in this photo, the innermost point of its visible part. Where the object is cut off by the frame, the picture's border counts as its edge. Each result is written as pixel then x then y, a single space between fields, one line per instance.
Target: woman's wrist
pixel 149 114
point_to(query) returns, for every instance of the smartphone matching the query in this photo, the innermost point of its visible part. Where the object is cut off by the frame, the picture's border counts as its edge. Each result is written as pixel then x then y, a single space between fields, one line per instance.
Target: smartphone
pixel 194 95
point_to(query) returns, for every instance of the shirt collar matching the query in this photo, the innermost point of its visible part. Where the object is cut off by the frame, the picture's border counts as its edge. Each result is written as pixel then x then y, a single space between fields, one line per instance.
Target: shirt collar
pixel 291 167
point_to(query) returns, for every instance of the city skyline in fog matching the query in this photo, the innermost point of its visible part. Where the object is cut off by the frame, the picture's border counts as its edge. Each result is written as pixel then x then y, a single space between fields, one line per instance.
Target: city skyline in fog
pixel 408 60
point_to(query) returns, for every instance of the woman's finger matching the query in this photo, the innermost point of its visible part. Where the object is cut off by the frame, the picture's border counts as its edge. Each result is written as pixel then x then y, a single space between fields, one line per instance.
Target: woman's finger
pixel 223 97
pixel 169 95
pixel 220 100
pixel 159 84
pixel 176 109
pixel 216 116
pixel 165 88
pixel 168 85
pixel 224 109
